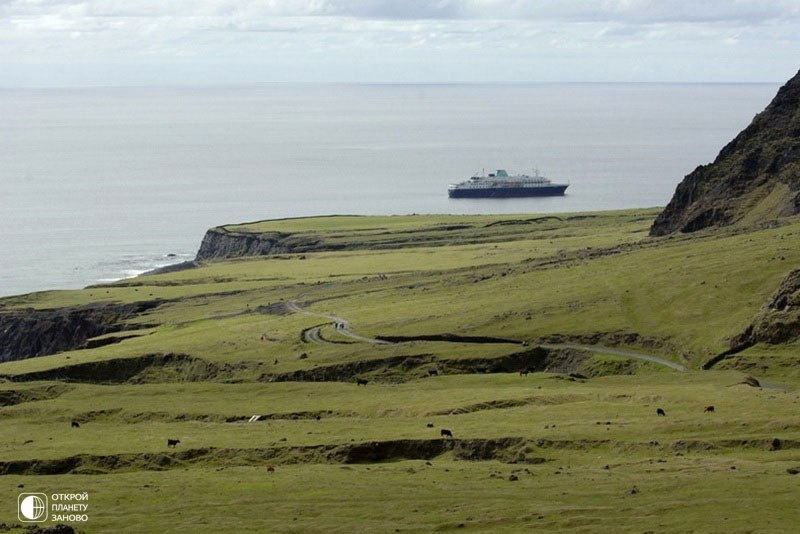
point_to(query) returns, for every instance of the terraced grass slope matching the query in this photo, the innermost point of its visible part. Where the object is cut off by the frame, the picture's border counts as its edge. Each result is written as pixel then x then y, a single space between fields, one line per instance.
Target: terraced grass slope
pixel 309 389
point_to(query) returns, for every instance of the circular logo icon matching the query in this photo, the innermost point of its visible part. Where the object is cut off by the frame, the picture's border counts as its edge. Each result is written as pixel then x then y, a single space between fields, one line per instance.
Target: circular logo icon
pixel 33 507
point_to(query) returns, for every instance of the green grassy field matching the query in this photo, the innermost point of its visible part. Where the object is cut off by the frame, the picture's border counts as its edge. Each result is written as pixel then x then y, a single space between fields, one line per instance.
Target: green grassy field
pixel 575 446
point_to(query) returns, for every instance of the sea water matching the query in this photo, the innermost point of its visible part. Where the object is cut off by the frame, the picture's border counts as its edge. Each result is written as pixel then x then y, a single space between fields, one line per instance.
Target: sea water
pixel 99 184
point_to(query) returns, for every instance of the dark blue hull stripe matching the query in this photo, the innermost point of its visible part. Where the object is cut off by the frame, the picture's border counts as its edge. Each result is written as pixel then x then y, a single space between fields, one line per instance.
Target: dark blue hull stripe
pixel 509 192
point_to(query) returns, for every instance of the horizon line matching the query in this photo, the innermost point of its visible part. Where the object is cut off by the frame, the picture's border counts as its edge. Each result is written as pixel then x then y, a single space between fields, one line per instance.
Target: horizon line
pixel 221 85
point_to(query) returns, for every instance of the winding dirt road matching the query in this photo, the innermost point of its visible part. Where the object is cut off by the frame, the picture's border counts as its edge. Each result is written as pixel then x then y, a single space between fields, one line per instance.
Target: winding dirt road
pixel 313 335
pixel 618 352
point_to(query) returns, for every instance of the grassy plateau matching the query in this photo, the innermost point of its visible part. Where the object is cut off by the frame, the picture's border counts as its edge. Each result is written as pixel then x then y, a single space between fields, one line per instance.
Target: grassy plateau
pixel 545 344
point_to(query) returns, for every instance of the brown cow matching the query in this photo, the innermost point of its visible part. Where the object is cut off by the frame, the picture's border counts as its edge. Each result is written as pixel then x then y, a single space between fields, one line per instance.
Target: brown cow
pixel 709 409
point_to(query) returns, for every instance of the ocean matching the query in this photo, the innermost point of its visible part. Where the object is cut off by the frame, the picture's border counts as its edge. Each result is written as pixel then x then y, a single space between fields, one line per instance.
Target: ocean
pixel 100 184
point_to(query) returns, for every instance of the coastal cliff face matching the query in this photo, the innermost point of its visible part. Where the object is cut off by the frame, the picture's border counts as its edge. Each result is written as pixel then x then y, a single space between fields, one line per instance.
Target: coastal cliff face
pixel 754 179
pixel 219 243
pixel 30 333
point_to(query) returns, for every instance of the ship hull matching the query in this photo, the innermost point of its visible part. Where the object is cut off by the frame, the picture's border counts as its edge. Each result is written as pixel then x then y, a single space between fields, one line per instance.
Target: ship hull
pixel 554 190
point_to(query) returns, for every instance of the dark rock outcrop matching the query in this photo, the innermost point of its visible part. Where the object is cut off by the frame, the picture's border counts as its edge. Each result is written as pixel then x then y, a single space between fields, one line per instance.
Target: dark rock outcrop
pixel 755 178
pixel 29 333
pixel 779 320
pixel 148 368
pixel 174 268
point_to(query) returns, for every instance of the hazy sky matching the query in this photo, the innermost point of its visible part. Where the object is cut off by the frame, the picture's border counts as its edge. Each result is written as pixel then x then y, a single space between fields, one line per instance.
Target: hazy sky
pixel 130 42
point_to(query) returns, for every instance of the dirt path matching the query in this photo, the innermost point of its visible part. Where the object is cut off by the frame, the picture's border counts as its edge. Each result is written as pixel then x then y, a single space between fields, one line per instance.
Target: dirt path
pixel 618 352
pixel 341 325
pixel 313 335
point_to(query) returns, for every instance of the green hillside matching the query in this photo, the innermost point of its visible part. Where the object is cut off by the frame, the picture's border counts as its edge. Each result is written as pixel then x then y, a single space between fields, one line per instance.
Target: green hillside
pixel 541 342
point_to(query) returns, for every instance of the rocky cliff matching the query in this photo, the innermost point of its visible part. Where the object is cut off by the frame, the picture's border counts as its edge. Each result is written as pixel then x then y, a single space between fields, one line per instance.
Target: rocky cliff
pixel 779 320
pixel 219 243
pixel 29 333
pixel 754 179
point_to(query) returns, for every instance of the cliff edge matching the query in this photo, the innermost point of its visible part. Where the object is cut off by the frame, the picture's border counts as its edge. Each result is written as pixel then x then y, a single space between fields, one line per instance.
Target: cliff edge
pixel 221 243
pixel 28 333
pixel 754 179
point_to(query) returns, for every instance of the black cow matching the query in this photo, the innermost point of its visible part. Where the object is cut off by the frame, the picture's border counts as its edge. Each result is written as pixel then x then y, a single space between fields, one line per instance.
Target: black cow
pixel 76 424
pixel 659 411
pixel 446 433
pixel 709 409
pixel 361 381
pixel 172 442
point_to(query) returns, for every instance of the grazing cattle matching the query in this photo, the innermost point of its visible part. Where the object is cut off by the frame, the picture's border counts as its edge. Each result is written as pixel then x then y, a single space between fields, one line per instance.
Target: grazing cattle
pixel 524 372
pixel 361 381
pixel 659 411
pixel 709 409
pixel 172 442
pixel 446 433
pixel 270 468
pixel 433 372
pixel 430 425
pixel 76 424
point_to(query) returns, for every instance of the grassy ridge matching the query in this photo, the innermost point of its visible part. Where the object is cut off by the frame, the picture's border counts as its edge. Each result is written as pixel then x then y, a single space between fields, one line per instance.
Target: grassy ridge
pixel 690 295
pixel 545 451
pixel 590 451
